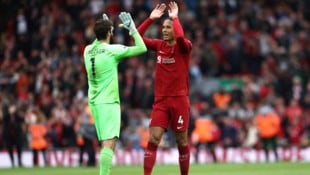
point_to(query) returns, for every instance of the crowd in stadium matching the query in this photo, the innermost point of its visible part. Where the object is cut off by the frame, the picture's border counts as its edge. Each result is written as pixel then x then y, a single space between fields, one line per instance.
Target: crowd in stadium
pixel 248 56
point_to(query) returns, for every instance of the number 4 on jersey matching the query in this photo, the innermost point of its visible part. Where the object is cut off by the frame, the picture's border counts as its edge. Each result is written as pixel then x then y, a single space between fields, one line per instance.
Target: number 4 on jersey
pixel 180 120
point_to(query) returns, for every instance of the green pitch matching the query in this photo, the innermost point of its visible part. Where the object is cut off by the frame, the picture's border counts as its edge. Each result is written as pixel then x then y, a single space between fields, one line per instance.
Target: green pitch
pixel 207 169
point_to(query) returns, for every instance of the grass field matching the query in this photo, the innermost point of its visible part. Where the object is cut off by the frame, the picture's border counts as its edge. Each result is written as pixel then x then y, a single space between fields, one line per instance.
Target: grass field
pixel 207 169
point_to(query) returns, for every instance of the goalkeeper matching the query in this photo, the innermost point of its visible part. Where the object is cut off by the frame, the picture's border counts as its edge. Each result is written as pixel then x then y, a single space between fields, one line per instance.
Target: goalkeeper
pixel 101 60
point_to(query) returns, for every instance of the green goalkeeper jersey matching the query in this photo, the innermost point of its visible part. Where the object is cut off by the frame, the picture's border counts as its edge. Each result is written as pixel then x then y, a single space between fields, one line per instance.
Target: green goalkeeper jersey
pixel 101 61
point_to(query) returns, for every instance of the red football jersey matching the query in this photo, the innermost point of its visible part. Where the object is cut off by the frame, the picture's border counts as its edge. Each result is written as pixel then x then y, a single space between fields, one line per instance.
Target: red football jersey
pixel 172 62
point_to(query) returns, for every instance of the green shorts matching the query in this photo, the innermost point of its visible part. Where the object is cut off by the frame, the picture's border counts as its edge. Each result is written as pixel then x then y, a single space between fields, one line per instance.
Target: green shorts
pixel 107 119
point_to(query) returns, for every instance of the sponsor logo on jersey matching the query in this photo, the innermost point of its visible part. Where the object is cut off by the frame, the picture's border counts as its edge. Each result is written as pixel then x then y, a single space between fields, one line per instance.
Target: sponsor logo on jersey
pixel 179 127
pixel 162 60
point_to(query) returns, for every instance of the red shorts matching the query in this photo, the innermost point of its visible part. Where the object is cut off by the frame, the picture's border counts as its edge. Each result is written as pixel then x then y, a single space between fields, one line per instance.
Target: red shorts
pixel 173 111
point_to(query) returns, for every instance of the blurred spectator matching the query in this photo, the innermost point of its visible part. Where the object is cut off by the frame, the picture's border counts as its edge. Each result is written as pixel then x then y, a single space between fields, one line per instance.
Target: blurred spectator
pixel 268 125
pixel 205 134
pixel 236 111
pixel 221 99
pixel 251 138
pixel 143 131
pixel 280 109
pixel 305 100
pixel 229 134
pixel 13 129
pixel 293 111
pixel 86 136
pixel 296 131
pixel 37 136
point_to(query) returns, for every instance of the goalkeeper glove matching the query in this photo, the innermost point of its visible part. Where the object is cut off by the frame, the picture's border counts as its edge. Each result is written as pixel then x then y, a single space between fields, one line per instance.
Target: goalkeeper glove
pixel 127 22
pixel 105 17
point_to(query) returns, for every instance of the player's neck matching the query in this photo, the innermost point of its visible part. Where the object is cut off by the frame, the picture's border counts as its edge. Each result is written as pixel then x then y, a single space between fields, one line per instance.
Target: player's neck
pixel 171 42
pixel 105 40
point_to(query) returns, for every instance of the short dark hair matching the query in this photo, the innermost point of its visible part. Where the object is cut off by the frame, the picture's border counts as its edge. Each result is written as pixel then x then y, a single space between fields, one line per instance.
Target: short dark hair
pixel 101 29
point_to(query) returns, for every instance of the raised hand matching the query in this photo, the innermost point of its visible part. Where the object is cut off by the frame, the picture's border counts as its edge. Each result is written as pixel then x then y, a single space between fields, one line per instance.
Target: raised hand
pixel 158 11
pixel 127 22
pixel 173 9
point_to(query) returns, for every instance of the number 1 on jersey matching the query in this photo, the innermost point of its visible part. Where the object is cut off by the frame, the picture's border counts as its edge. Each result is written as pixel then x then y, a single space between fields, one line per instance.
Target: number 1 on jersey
pixel 92 60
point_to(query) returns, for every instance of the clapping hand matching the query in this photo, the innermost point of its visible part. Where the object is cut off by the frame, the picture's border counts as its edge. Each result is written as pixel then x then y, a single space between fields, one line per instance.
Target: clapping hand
pixel 158 11
pixel 173 9
pixel 127 22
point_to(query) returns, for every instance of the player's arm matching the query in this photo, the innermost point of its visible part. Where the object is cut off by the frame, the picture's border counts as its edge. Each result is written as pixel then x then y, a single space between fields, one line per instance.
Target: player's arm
pixel 139 46
pixel 185 44
pixel 157 12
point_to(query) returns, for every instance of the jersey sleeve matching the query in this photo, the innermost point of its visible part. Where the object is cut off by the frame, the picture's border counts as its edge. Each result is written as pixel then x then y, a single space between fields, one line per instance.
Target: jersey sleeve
pixel 150 43
pixel 185 44
pixel 122 51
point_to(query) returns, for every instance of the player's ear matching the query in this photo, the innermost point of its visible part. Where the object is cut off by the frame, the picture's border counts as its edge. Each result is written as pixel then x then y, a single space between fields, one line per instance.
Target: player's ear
pixel 112 30
pixel 110 33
